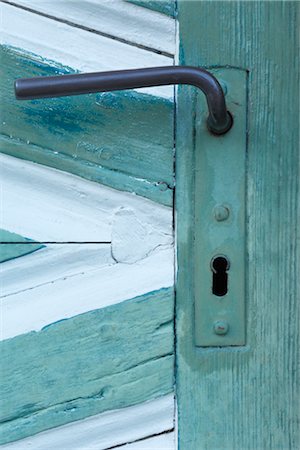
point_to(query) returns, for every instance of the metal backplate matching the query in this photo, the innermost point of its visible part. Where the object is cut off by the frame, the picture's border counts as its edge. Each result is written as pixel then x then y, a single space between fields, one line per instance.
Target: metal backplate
pixel 220 210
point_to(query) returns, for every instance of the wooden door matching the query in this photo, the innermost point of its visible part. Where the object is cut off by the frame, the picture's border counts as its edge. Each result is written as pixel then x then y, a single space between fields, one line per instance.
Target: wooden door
pixel 241 396
pixel 87 241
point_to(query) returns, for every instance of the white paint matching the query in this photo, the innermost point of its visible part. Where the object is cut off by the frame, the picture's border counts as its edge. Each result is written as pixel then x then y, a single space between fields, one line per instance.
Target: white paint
pixel 114 17
pixel 46 204
pixel 110 429
pixel 51 263
pixel 65 280
pixel 34 308
pixel 76 48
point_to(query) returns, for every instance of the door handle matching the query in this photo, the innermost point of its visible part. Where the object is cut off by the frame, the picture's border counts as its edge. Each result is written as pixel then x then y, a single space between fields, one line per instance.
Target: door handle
pixel 219 120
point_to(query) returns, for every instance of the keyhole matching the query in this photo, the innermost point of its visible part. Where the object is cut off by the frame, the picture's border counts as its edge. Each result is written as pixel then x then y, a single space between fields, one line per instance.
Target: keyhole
pixel 220 266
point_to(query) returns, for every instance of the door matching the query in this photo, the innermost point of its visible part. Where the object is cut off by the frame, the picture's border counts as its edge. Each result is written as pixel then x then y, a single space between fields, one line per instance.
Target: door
pixel 88 267
pixel 239 396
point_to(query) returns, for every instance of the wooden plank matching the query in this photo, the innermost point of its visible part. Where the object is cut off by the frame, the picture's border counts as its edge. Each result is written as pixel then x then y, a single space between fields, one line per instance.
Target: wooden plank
pixel 61 207
pixel 111 429
pixel 83 50
pixel 245 398
pixel 109 358
pixel 124 140
pixel 113 18
pixel 29 305
pixel 13 246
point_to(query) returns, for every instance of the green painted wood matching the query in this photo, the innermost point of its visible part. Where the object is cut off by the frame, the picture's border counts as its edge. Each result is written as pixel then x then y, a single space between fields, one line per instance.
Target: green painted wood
pixel 13 246
pixel 101 360
pixel 121 139
pixel 244 399
pixel 158 192
pixel 167 7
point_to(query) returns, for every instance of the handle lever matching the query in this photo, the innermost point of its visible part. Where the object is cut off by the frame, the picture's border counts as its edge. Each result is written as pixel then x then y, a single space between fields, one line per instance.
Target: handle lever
pixel 219 120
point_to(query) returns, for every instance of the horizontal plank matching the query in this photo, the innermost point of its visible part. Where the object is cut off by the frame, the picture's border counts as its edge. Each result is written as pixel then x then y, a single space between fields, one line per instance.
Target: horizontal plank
pixel 110 429
pixel 60 298
pixel 116 18
pixel 61 207
pixel 159 192
pixel 122 138
pixel 13 246
pixel 54 262
pixel 105 363
pixel 82 50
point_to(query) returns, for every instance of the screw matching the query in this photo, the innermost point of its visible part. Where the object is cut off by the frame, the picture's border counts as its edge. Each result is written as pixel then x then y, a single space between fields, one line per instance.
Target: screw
pixel 221 327
pixel 221 213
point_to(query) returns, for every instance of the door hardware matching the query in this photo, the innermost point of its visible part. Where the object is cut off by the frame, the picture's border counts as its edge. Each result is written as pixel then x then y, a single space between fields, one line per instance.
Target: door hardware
pixel 219 120
pixel 219 226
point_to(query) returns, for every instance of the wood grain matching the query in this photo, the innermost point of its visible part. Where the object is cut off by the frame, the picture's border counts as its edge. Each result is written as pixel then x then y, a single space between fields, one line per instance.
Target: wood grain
pixel 43 36
pixel 117 19
pixel 102 360
pixel 61 207
pixel 245 399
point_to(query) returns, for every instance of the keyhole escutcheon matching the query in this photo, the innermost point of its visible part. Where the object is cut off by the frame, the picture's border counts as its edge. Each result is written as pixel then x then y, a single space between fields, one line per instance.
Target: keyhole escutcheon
pixel 220 266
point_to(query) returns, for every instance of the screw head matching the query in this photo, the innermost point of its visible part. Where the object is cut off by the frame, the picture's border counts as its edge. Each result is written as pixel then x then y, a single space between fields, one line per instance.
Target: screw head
pixel 221 327
pixel 221 213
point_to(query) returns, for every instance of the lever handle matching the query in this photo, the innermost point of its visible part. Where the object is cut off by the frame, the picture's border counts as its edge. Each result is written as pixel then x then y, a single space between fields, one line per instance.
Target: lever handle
pixel 219 120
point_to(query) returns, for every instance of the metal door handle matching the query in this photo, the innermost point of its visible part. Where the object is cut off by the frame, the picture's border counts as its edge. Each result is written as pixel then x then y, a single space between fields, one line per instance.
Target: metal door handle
pixel 219 120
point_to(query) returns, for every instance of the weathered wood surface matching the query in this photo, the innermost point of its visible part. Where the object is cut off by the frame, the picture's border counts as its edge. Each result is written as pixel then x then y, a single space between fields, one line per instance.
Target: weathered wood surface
pixel 124 140
pixel 167 7
pixel 112 429
pixel 13 246
pixel 102 360
pixel 114 19
pixel 43 36
pixel 245 398
pixel 74 292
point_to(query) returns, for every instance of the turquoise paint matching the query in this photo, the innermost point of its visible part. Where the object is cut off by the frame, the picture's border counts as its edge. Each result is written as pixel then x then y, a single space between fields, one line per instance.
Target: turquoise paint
pixel 167 7
pixel 13 246
pixel 101 360
pixel 220 179
pixel 247 398
pixel 124 133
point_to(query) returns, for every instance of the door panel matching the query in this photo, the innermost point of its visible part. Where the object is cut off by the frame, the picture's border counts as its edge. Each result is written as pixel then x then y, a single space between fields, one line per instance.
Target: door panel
pixel 87 186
